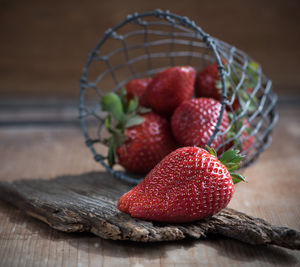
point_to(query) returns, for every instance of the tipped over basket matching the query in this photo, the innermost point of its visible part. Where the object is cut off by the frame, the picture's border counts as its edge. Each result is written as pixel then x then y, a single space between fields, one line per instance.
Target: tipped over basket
pixel 147 43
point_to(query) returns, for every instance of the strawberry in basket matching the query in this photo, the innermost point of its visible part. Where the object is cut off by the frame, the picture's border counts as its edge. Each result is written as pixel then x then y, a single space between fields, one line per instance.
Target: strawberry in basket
pixel 139 138
pixel 208 84
pixel 194 121
pixel 137 87
pixel 169 88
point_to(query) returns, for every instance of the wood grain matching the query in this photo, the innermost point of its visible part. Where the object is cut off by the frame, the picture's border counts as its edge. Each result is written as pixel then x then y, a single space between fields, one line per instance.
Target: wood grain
pixel 88 203
pixel 34 152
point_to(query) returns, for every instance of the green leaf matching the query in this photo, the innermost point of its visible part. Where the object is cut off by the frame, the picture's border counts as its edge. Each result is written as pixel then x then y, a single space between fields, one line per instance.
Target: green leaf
pixel 230 133
pixel 227 156
pixel 245 98
pixel 252 72
pixel 134 121
pixel 122 93
pixel 251 82
pixel 236 178
pixel 107 123
pixel 237 159
pixel 231 164
pixel 252 107
pixel 252 68
pixel 111 152
pixel 133 104
pixel 231 159
pixel 112 104
pixel 218 84
pixel 231 156
pixel 244 95
pixel 233 168
pixel 211 151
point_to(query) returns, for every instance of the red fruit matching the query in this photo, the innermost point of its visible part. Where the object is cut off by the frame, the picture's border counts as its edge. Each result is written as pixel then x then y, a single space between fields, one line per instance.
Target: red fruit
pixel 146 144
pixel 137 88
pixel 169 88
pixel 207 81
pixel 187 185
pixel 208 85
pixel 138 140
pixel 194 121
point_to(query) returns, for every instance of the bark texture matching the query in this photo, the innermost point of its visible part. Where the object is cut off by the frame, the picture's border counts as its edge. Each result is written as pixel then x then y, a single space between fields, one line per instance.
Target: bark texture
pixel 88 203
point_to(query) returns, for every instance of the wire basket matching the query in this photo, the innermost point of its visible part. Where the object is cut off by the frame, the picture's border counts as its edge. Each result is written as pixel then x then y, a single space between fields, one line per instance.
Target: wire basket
pixel 144 44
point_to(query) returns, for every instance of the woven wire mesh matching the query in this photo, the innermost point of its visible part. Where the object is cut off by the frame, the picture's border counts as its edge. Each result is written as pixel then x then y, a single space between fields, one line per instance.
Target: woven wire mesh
pixel 144 44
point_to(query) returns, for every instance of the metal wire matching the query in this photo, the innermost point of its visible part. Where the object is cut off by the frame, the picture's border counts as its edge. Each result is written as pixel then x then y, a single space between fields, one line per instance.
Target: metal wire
pixel 144 44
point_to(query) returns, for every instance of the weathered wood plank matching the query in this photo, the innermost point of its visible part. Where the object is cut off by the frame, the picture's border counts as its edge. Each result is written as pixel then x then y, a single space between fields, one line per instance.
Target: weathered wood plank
pixel 87 203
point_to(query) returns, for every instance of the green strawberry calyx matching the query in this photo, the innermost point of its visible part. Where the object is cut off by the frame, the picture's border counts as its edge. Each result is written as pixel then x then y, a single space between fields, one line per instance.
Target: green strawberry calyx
pixel 122 114
pixel 231 160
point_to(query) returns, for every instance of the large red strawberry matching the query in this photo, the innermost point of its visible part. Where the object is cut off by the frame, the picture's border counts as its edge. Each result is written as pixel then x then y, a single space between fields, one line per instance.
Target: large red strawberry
pixel 137 87
pixel 187 185
pixel 138 141
pixel 169 88
pixel 208 84
pixel 195 120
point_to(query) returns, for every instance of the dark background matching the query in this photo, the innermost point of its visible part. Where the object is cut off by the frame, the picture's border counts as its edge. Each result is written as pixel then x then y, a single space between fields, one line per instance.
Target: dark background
pixel 44 44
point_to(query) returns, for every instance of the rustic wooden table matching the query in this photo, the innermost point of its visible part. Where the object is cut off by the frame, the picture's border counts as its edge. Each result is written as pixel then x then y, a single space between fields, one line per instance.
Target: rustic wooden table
pixel 46 141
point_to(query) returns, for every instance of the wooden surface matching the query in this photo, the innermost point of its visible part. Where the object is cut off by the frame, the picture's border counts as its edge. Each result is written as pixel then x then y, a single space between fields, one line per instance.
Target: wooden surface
pixel 88 203
pixel 44 44
pixel 33 150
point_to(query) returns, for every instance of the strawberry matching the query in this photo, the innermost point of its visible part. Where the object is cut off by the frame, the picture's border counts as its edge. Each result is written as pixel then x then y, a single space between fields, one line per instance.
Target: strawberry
pixel 187 185
pixel 137 88
pixel 138 141
pixel 194 121
pixel 169 88
pixel 208 84
pixel 146 144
